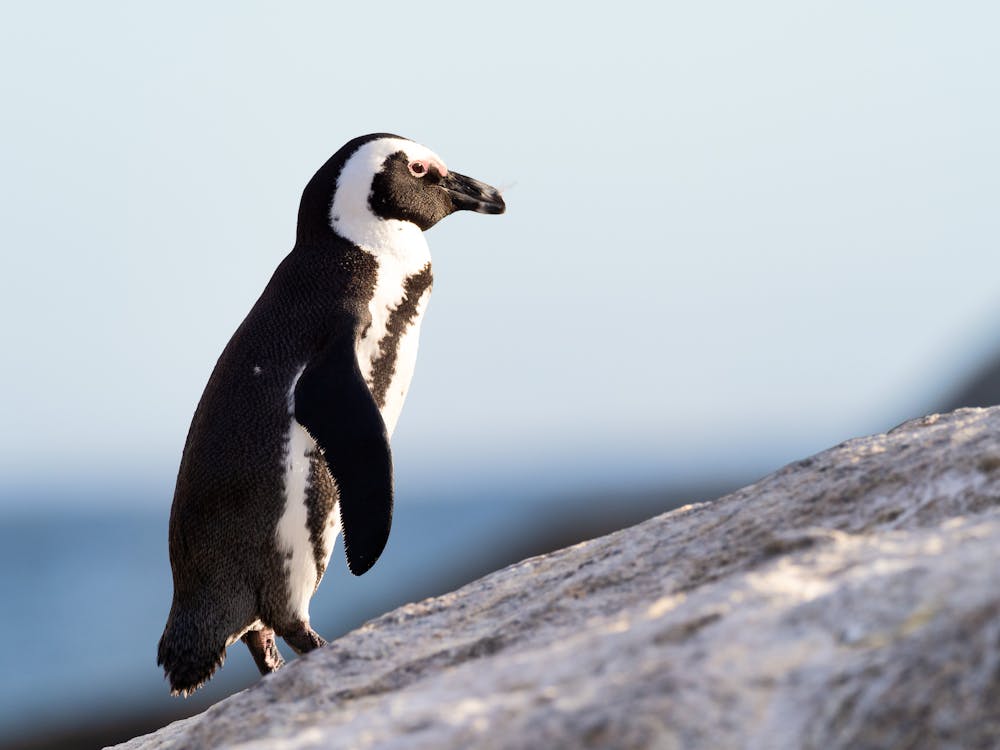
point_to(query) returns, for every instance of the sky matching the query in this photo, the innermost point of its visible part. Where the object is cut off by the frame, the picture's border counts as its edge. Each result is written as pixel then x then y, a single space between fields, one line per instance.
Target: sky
pixel 736 233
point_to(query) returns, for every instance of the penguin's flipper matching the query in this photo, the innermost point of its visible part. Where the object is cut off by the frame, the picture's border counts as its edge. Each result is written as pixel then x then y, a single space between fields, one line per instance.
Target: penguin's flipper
pixel 333 402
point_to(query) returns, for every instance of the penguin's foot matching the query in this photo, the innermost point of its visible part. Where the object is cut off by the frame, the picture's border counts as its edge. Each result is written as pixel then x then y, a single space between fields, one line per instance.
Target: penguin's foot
pixel 264 650
pixel 301 637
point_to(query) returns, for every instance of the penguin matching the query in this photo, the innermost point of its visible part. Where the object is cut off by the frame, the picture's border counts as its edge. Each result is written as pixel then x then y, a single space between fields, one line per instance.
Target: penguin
pixel 289 444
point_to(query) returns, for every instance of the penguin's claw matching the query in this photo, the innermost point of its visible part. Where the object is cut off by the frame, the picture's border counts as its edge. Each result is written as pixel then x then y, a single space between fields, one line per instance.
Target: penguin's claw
pixel 264 650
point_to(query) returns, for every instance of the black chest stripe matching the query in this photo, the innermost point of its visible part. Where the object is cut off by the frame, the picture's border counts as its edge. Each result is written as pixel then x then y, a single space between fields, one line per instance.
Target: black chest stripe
pixel 321 495
pixel 384 366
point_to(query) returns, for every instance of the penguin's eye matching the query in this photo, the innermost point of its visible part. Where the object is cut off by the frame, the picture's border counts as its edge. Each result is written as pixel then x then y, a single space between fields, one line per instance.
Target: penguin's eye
pixel 418 168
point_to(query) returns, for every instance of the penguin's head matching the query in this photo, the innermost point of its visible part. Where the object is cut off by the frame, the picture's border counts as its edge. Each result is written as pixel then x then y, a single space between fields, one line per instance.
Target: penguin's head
pixel 380 184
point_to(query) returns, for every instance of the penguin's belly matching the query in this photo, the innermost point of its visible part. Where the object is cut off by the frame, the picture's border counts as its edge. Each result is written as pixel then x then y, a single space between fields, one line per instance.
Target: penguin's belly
pixel 310 522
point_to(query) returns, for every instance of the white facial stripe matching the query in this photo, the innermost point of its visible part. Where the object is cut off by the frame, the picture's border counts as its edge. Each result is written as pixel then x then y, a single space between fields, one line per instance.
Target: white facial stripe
pixel 350 215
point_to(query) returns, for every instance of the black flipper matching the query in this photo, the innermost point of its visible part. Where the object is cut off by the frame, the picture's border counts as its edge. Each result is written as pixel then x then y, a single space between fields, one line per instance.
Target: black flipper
pixel 333 402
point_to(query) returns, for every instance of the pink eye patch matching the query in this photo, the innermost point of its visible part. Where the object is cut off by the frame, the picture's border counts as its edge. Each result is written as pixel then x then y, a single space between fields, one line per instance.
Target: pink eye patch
pixel 420 167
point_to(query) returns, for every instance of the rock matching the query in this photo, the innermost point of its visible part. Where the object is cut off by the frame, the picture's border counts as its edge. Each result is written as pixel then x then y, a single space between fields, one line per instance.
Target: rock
pixel 850 600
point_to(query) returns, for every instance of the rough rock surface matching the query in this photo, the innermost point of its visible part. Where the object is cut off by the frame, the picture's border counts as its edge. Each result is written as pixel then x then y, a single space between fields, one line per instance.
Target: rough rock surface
pixel 850 600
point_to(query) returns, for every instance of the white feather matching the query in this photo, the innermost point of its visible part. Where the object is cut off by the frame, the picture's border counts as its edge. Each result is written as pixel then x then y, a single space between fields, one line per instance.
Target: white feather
pixel 293 526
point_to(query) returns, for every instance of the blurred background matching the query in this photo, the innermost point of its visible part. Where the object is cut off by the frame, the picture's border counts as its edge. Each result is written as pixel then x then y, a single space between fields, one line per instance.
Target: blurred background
pixel 737 234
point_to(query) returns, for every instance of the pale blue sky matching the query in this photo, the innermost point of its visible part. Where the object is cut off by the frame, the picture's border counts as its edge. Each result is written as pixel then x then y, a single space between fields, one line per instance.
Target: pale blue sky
pixel 736 232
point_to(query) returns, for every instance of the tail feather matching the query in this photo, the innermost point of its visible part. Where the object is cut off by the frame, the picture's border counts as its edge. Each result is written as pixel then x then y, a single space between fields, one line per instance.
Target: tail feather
pixel 189 651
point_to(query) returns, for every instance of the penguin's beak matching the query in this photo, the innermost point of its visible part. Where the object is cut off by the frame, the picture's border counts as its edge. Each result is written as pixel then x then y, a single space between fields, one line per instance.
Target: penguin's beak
pixel 468 194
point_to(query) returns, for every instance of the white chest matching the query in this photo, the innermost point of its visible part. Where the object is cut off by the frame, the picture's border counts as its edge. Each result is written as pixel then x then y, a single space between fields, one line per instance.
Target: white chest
pixel 392 392
pixel 387 350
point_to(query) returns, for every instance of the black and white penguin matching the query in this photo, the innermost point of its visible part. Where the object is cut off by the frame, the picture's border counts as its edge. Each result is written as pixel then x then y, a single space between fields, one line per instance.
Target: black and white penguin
pixel 289 445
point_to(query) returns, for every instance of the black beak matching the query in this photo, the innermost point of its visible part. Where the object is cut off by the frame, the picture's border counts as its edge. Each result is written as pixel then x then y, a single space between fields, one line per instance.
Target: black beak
pixel 468 194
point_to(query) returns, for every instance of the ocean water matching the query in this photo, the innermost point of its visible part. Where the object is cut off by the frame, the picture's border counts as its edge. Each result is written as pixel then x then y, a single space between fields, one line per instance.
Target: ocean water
pixel 85 596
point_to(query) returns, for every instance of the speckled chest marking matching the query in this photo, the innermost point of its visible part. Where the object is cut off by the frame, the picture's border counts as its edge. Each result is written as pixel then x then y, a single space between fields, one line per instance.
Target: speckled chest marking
pixel 387 352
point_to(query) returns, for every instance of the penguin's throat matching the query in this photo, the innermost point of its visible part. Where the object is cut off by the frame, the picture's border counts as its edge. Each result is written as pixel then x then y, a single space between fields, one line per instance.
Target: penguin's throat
pixel 385 236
